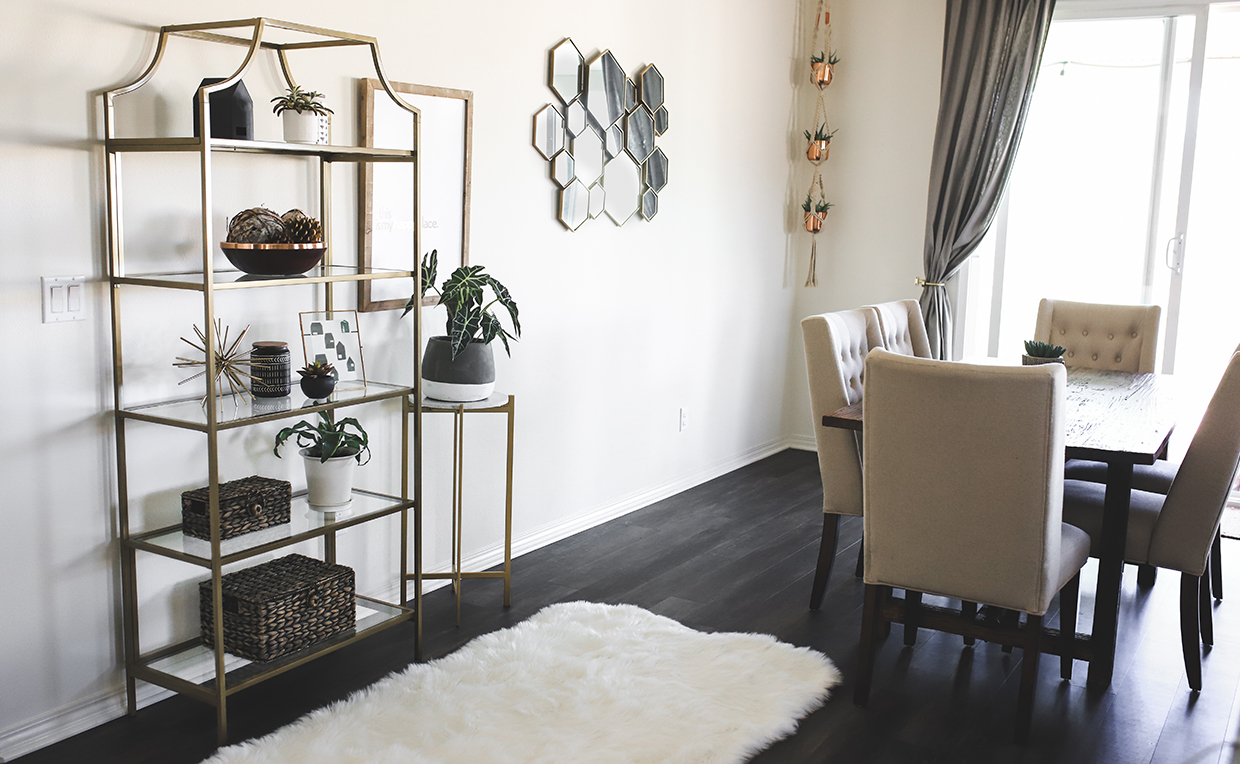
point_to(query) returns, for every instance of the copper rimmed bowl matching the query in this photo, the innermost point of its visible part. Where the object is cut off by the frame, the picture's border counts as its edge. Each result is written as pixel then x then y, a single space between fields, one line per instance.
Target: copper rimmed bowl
pixel 273 259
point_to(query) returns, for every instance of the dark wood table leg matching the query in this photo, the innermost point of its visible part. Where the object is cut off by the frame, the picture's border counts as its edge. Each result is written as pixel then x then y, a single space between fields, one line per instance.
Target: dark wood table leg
pixel 1110 573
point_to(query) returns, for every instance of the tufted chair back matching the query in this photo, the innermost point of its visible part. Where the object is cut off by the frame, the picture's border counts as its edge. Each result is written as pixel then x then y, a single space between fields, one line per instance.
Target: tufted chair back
pixel 1111 337
pixel 836 345
pixel 902 328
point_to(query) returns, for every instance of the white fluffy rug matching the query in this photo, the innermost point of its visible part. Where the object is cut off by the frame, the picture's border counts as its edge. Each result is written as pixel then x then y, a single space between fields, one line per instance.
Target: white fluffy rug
pixel 578 682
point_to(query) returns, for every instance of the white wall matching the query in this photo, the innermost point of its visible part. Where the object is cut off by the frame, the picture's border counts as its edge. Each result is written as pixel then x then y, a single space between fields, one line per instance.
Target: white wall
pixel 884 100
pixel 623 326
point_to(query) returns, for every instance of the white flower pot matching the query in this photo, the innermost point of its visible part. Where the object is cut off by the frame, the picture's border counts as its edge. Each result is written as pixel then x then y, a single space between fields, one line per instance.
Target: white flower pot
pixel 330 482
pixel 306 127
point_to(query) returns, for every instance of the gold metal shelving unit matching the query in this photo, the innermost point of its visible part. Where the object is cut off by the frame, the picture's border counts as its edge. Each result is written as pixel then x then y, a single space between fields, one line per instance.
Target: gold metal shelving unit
pixel 189 667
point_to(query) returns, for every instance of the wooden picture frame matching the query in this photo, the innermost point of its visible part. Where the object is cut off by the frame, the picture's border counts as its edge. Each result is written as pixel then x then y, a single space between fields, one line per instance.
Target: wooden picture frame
pixel 446 143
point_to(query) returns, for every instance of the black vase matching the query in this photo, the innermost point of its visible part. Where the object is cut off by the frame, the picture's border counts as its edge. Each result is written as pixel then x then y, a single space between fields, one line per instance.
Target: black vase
pixel 232 111
pixel 318 388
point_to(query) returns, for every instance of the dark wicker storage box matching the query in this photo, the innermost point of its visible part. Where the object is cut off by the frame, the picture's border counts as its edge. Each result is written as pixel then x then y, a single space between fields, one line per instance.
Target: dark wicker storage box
pixel 280 607
pixel 246 505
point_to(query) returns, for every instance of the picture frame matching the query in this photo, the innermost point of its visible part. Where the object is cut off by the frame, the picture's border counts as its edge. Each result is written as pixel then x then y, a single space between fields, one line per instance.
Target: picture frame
pixel 386 234
pixel 335 337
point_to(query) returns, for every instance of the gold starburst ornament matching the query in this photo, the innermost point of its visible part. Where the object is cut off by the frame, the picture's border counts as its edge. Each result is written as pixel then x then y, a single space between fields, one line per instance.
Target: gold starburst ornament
pixel 230 360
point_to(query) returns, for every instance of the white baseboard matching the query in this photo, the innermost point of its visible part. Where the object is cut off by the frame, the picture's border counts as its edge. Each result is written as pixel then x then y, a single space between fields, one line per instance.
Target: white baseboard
pixel 79 717
pixel 802 443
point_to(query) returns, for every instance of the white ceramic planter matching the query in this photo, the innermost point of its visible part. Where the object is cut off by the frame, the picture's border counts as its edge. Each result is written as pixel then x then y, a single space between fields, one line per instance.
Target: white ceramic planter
pixel 306 127
pixel 331 482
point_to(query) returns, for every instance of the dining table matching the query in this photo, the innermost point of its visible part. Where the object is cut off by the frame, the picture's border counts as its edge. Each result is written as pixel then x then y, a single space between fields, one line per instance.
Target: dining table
pixel 1122 419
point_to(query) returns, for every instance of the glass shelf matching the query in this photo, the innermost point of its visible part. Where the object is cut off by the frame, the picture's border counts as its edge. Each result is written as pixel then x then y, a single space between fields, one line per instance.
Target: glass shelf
pixel 195 663
pixel 234 279
pixel 233 411
pixel 304 524
pixel 327 152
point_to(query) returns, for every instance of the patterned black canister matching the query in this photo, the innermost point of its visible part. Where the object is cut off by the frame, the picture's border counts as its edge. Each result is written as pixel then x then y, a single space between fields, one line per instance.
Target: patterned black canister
pixel 270 364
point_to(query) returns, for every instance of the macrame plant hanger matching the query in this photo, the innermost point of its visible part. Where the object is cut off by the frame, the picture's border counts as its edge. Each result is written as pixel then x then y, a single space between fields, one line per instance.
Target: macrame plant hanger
pixel 822 70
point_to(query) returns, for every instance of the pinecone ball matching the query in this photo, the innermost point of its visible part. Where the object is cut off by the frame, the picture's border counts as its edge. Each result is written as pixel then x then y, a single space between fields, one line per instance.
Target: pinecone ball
pixel 257 225
pixel 301 228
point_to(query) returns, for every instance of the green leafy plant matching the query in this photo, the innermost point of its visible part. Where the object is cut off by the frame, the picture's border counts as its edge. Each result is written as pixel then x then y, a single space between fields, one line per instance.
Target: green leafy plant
pixel 822 207
pixel 469 318
pixel 317 369
pixel 818 58
pixel 820 133
pixel 1036 349
pixel 328 438
pixel 300 101
pixel 833 59
pixel 808 204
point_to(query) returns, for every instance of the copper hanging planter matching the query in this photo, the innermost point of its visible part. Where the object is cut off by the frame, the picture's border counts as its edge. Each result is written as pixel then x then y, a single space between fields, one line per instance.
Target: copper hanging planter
pixel 821 73
pixel 813 221
pixel 817 150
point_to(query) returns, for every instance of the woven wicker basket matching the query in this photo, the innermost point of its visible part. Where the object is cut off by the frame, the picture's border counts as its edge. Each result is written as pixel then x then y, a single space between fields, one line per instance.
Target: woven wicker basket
pixel 280 607
pixel 246 505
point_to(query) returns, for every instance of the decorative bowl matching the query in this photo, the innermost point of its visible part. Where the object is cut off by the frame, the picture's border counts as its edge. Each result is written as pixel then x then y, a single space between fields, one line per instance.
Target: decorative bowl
pixel 273 259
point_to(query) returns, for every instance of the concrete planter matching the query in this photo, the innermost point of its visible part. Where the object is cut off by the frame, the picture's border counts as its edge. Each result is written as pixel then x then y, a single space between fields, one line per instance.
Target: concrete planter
pixel 468 377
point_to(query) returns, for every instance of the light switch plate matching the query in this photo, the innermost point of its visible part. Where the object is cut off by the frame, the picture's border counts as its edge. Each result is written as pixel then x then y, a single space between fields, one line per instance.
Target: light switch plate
pixel 64 298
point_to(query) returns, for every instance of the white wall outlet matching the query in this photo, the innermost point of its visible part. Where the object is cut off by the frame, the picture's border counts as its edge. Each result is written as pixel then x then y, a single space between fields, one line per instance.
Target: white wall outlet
pixel 64 298
pixel 684 419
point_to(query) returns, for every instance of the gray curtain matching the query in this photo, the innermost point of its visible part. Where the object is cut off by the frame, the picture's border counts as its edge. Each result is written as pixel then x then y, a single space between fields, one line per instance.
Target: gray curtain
pixel 991 53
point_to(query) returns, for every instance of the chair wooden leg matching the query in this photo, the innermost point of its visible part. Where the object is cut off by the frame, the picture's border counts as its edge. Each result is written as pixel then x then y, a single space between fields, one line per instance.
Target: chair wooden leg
pixel 968 611
pixel 1146 575
pixel 860 571
pixel 912 608
pixel 1190 590
pixel 1069 598
pixel 1205 608
pixel 1028 677
pixel 874 596
pixel 1216 566
pixel 1011 619
pixel 826 558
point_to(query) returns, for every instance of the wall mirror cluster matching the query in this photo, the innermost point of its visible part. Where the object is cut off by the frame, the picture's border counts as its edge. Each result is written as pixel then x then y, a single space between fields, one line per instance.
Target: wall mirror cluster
pixel 599 137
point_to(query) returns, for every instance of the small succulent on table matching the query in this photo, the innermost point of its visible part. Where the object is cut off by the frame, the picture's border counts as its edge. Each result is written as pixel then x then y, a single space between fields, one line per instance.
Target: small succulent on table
pixel 1038 349
pixel 469 319
pixel 328 438
pixel 318 379
pixel 300 101
pixel 259 225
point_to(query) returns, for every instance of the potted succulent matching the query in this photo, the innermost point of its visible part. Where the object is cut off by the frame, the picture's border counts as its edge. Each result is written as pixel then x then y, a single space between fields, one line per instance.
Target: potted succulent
pixel 819 142
pixel 815 213
pixel 318 379
pixel 331 451
pixel 460 366
pixel 822 68
pixel 1042 352
pixel 306 119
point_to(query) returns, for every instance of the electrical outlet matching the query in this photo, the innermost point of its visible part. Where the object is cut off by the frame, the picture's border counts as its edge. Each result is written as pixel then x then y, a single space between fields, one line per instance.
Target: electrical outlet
pixel 63 298
pixel 684 419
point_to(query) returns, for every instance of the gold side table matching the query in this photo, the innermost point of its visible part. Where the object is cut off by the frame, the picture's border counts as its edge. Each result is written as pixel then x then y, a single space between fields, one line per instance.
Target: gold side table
pixel 496 404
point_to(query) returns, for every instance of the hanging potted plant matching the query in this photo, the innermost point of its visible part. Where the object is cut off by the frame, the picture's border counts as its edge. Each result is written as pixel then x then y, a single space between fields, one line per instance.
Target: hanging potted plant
pixel 822 68
pixel 306 119
pixel 819 142
pixel 331 453
pixel 460 366
pixel 815 213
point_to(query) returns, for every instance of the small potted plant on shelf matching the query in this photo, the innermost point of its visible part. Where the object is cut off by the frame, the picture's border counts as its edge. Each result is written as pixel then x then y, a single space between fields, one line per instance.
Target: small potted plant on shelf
pixel 460 366
pixel 822 68
pixel 331 451
pixel 306 119
pixel 819 142
pixel 1041 352
pixel 318 379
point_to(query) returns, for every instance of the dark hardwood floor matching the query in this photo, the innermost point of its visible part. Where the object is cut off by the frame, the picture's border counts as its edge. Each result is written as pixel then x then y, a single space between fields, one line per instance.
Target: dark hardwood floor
pixel 738 554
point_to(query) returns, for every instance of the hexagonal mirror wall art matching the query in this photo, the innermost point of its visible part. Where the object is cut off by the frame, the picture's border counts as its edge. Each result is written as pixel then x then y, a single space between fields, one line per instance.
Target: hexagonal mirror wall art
pixel 587 151
pixel 574 205
pixel 639 134
pixel 599 136
pixel 566 64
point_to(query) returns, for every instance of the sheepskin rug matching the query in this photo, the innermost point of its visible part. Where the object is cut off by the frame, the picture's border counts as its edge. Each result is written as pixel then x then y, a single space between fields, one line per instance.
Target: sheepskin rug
pixel 578 682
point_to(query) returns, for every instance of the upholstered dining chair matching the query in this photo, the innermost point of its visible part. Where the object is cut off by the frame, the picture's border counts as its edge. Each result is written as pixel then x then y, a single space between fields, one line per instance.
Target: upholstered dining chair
pixel 836 345
pixel 902 327
pixel 963 492
pixel 1177 531
pixel 1096 336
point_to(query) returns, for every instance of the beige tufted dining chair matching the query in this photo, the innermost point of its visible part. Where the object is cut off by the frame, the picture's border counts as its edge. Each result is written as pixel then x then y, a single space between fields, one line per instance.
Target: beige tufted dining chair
pixel 836 345
pixel 1177 531
pixel 902 328
pixel 1096 336
pixel 963 498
